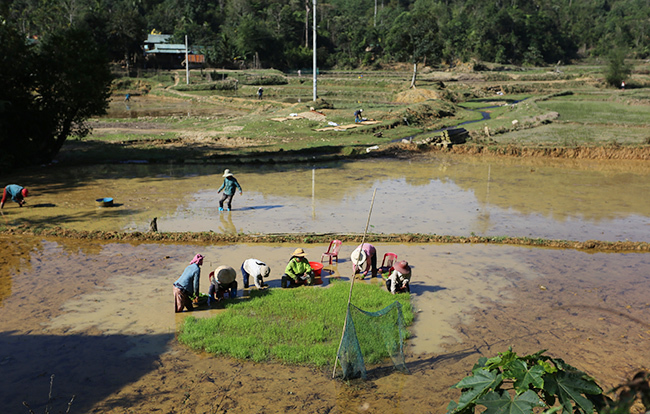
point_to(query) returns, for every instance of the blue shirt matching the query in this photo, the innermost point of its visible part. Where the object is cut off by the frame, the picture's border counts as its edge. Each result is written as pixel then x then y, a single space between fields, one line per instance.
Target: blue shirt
pixel 15 191
pixel 229 186
pixel 189 280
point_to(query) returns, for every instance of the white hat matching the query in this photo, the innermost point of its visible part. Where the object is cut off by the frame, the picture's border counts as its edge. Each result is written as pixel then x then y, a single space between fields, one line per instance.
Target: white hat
pixel 358 257
pixel 225 274
pixel 227 173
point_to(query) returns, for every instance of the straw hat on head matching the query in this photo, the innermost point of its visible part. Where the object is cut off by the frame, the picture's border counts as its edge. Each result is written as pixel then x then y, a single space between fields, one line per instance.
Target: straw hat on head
pixel 403 267
pixel 358 257
pixel 299 252
pixel 225 274
pixel 227 173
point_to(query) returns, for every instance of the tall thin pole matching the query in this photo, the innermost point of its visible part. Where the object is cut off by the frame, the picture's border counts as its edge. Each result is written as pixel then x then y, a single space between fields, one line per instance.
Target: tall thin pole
pixel 314 52
pixel 345 324
pixel 187 63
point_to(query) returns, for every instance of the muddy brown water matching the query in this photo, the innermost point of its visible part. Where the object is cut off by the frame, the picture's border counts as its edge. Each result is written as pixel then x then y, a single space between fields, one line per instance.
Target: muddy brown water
pixel 444 195
pixel 99 315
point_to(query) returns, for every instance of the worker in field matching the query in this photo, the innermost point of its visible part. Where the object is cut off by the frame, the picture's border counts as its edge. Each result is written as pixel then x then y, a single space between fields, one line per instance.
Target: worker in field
pixel 186 288
pixel 364 256
pixel 16 193
pixel 229 187
pixel 400 279
pixel 298 271
pixel 357 115
pixel 223 280
pixel 256 269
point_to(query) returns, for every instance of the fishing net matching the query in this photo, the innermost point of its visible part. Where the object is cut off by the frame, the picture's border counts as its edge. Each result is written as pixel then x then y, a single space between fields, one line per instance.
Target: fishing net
pixel 372 336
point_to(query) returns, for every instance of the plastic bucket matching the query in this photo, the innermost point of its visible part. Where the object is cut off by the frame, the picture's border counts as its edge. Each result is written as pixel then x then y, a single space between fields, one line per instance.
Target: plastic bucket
pixel 316 267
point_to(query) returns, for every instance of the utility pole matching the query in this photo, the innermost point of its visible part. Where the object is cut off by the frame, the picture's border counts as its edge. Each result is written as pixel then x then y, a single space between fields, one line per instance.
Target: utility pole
pixel 187 63
pixel 314 47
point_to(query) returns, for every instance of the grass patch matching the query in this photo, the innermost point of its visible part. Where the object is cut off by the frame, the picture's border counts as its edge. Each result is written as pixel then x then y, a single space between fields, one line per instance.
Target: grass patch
pixel 598 112
pixel 296 326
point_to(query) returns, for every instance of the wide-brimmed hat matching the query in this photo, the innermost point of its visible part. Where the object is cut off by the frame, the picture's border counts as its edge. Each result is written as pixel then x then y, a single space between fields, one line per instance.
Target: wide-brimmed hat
pixel 227 173
pixel 225 274
pixel 265 271
pixel 402 267
pixel 358 257
pixel 299 252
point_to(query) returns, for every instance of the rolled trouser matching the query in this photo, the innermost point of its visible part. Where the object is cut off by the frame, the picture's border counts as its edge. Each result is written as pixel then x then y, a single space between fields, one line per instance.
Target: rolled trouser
pixel 182 300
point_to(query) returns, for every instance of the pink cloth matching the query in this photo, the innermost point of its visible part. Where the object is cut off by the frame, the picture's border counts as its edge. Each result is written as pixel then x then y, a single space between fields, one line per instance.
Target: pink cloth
pixel 198 259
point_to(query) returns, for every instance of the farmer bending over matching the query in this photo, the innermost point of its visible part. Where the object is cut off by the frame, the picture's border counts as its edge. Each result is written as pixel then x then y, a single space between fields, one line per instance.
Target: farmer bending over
pixel 364 256
pixel 222 280
pixel 298 271
pixel 187 286
pixel 17 194
pixel 256 269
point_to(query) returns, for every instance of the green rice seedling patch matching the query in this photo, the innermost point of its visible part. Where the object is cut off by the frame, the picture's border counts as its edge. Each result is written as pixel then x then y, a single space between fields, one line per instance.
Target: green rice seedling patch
pixel 297 326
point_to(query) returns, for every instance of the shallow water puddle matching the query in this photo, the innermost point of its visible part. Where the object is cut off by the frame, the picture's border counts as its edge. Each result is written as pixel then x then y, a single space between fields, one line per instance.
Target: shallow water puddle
pixel 445 195
pixel 99 315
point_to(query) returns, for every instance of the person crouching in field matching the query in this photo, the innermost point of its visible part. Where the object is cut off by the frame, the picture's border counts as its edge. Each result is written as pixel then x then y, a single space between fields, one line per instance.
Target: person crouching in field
pixel 298 271
pixel 400 279
pixel 256 269
pixel 16 193
pixel 222 280
pixel 187 286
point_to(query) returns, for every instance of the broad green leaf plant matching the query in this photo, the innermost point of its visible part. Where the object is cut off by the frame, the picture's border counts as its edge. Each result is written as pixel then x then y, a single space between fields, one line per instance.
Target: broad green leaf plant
pixel 510 384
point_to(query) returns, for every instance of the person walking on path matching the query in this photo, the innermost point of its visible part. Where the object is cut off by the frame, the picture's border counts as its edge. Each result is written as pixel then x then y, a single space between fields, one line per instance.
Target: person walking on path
pixel 16 193
pixel 256 269
pixel 260 91
pixel 298 271
pixel 187 286
pixel 364 256
pixel 229 187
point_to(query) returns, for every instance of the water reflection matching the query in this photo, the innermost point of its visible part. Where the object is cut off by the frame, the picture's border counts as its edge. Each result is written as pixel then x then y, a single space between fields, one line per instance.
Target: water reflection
pixel 572 200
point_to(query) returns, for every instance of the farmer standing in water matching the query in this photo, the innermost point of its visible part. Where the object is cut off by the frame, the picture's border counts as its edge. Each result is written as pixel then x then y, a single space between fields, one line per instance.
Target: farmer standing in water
pixel 229 187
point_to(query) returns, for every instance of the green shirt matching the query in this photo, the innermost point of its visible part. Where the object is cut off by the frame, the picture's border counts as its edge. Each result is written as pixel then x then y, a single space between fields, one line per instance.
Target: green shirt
pixel 297 267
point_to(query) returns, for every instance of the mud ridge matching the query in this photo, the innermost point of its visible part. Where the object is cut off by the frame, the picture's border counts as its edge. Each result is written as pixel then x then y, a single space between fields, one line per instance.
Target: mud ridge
pixel 307 238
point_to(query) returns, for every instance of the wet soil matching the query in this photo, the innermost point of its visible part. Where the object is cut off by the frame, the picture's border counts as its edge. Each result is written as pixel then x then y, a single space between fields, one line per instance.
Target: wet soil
pixel 99 317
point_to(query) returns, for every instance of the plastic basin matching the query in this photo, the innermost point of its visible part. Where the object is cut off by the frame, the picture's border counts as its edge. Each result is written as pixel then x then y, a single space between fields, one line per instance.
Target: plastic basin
pixel 316 267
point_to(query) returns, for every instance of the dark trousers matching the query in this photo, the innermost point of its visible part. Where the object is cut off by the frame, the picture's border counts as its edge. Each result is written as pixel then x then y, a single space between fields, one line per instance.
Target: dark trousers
pixel 245 274
pixel 289 282
pixel 220 290
pixel 227 198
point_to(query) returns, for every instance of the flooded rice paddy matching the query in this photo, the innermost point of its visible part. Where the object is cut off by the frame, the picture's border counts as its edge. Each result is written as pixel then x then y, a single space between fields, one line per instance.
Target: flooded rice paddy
pixel 554 199
pixel 99 315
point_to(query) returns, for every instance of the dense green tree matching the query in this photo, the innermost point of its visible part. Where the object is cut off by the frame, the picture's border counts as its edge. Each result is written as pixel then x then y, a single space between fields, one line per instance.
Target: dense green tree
pixel 51 88
pixel 617 70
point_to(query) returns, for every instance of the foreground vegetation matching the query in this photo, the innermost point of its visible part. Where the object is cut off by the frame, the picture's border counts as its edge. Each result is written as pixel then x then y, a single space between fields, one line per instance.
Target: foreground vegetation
pixel 524 384
pixel 299 326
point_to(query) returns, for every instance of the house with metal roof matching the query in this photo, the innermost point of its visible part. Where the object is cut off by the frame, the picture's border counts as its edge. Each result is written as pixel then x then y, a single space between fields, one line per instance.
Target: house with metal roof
pixel 159 53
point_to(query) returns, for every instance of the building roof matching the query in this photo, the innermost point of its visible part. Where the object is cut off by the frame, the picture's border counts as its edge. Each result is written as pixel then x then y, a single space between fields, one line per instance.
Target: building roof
pixel 158 38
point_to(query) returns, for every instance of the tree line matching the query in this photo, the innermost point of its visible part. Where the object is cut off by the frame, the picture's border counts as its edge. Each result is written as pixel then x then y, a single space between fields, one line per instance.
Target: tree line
pixel 277 33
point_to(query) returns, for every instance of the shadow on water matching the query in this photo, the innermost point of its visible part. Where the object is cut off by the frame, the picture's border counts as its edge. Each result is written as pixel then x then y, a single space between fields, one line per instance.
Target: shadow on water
pixel 90 367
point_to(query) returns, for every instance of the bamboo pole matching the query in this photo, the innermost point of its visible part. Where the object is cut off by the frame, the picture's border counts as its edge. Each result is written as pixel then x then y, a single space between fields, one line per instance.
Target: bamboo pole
pixel 345 324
